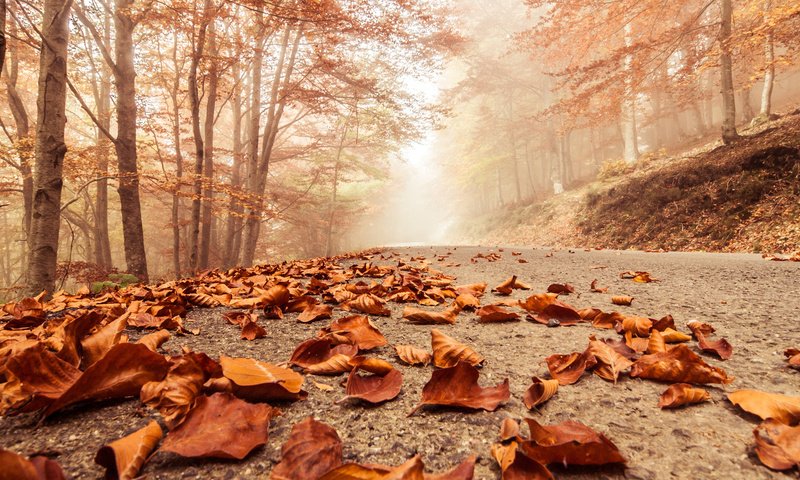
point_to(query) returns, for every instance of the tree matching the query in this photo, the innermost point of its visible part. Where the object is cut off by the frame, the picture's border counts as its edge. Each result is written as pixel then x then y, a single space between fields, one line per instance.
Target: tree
pixel 729 133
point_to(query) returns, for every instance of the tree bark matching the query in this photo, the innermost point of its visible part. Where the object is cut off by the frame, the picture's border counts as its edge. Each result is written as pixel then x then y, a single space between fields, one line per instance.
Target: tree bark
pixel 49 149
pixel 729 133
pixel 206 233
pixel 234 221
pixel 332 206
pixel 176 138
pixel 629 134
pixel 769 72
pixel 102 244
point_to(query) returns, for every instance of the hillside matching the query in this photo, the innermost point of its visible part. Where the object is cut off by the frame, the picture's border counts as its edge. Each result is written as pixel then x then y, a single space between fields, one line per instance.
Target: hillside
pixel 741 197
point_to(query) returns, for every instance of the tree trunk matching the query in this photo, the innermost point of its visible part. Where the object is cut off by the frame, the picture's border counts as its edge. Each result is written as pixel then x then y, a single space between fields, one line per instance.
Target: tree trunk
pixel 629 136
pixel 176 138
pixel 332 206
pixel 125 144
pixel 729 133
pixel 49 148
pixel 102 244
pixel 234 221
pixel 769 63
pixel 206 234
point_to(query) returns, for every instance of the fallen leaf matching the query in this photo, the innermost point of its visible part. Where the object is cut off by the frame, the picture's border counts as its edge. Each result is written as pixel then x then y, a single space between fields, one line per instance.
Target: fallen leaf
pixel 371 365
pixel 664 323
pixel 621 300
pixel 252 331
pixel 680 394
pixel 594 288
pixel 369 304
pixel 561 288
pixel 495 313
pixel 638 326
pixel 447 351
pixel 522 467
pixel 357 330
pixel 312 450
pixel 474 289
pixel 458 387
pixel 792 357
pixel 467 301
pixel 673 336
pixel 315 312
pixel 697 326
pixel 220 426
pixel 510 285
pixel 174 396
pixel 567 369
pixel 261 381
pixel 413 355
pixel 784 408
pixel 509 429
pixel 16 467
pixel 373 388
pixel 538 302
pixel 678 365
pixel 656 343
pixel 778 445
pixel 722 348
pixel 423 317
pixel 609 362
pixel 318 350
pixel 124 458
pixel 539 392
pixel 43 377
pixel 97 344
pixel 640 277
pixel 154 340
pixel 569 443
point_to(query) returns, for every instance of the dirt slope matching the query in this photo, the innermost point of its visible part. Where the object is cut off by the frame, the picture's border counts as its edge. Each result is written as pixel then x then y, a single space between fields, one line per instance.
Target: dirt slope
pixel 741 197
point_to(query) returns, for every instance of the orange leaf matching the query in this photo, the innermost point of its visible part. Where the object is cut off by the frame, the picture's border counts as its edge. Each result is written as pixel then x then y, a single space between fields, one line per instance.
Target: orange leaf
pixel 16 467
pixel 778 445
pixel 783 408
pixel 220 426
pixel 681 394
pixel 609 362
pixel 124 458
pixel 312 450
pixel 174 396
pixel 721 347
pixel 538 302
pixel 97 344
pixel 621 300
pixel 678 365
pixel 259 381
pixel 318 350
pixel 447 352
pixel 792 357
pixel 539 392
pixel 371 365
pixel 413 355
pixel 467 301
pixel 561 288
pixel 154 340
pixel 510 285
pixel 369 304
pixel 495 313
pixel 357 330
pixel 458 387
pixel 314 313
pixel 373 388
pixel 252 331
pixel 569 443
pixel 656 343
pixel 567 369
pixel 423 317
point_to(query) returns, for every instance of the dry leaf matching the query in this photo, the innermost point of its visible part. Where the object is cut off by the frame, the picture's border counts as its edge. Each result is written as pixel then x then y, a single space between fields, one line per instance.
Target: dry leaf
pixel 413 355
pixel 174 396
pixel 371 365
pixel 621 300
pixel 722 348
pixel 594 288
pixel 369 304
pixel 357 330
pixel 569 443
pixel 696 326
pixel 336 364
pixel 373 388
pixel 678 365
pixel 423 317
pixel 609 362
pixel 567 369
pixel 656 343
pixel 252 331
pixel 124 458
pixel 673 336
pixel 638 326
pixel 317 350
pixel 792 357
pixel 538 302
pixel 467 301
pixel 16 467
pixel 261 381
pixel 510 285
pixel 458 387
pixel 680 394
pixel 315 312
pixel 495 313
pixel 509 429
pixel 312 450
pixel 784 408
pixel 154 340
pixel 220 426
pixel 447 351
pixel 539 392
pixel 97 344
pixel 778 445
pixel 561 288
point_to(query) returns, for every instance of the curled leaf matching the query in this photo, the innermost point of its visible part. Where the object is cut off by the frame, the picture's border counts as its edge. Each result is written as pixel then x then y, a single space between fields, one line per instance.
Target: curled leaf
pixel 413 355
pixel 371 365
pixel 447 352
pixel 124 458
pixel 722 348
pixel 510 285
pixel 260 381
pixel 252 331
pixel 656 343
pixel 315 312
pixel 609 362
pixel 467 301
pixel 637 326
pixel 784 408
pixel 673 336
pixel 423 317
pixel 678 365
pixel 680 394
pixel 336 364
pixel 567 369
pixel 154 340
pixel 778 445
pixel 792 357
pixel 369 304
pixel 561 288
pixel 622 300
pixel 696 326
pixel 318 350
pixel 539 392
pixel 357 330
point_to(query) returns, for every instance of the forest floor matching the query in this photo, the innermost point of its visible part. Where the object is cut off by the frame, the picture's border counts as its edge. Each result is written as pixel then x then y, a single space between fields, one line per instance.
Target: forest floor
pixel 750 301
pixel 743 197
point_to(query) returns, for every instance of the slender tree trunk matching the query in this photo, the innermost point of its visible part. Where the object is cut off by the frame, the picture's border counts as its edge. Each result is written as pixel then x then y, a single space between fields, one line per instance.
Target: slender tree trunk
pixel 50 148
pixel 332 206
pixel 2 33
pixel 747 107
pixel 125 144
pixel 729 133
pixel 233 222
pixel 176 138
pixel 102 244
pixel 629 134
pixel 206 233
pixel 769 72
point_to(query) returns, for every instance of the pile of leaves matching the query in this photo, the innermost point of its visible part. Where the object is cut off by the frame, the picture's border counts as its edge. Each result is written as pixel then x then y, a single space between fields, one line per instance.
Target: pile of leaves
pixel 73 350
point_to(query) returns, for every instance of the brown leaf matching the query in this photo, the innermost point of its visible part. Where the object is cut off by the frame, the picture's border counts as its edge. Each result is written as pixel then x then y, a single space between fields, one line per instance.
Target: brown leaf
pixel 539 392
pixel 558 313
pixel 722 348
pixel 636 344
pixel 97 344
pixel 784 408
pixel 120 373
pixel 680 394
pixel 357 330
pixel 413 469
pixel 467 301
pixel 561 288
pixel 474 289
pixel 538 302
pixel 607 320
pixel 609 362
pixel 413 355
pixel 312 450
pixel 373 388
pixel 495 313
pixel 318 350
pixel 371 365
pixel 43 376
pixel 569 443
pixel 638 326
pixel 664 323
pixel 252 331
pixel 696 326
pixel 154 340
pixel 458 387
pixel 336 364
pixel 640 277
pixel 260 381
pixel 522 467
pixel 509 429
pixel 792 357
pixel 124 458
pixel 277 296
pixel 778 445
pixel 314 313
pixel 220 426
pixel 673 336
pixel 621 300
pixel 594 288
pixel 424 317
pixel 567 369
pixel 678 365
pixel 447 351
pixel 239 317
pixel 16 467
pixel 510 285
pixel 174 396
pixel 369 304
pixel 656 343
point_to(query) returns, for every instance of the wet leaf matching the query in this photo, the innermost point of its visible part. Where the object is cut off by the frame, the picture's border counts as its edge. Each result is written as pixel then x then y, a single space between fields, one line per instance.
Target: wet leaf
pixel 568 369
pixel 261 381
pixel 312 450
pixel 778 445
pixel 447 351
pixel 678 365
pixel 681 394
pixel 458 387
pixel 539 392
pixel 357 330
pixel 314 313
pixel 784 408
pixel 413 355
pixel 722 348
pixel 424 317
pixel 124 458
pixel 220 426
pixel 609 362
pixel 621 300
pixel 496 313
pixel 569 443
pixel 373 388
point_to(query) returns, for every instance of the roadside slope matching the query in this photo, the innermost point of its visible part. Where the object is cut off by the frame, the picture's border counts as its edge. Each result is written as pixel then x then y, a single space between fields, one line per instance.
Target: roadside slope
pixel 740 197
